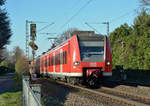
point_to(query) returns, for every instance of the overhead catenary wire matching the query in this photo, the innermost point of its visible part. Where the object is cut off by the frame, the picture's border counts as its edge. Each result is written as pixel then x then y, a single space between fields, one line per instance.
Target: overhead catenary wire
pixel 48 33
pixel 111 21
pixel 117 18
pixel 128 13
pixel 73 16
pixel 45 27
pixel 33 22
pixel 92 27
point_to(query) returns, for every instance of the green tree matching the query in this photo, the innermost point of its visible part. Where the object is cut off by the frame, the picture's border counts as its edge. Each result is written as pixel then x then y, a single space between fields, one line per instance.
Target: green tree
pixel 137 43
pixel 2 2
pixel 5 32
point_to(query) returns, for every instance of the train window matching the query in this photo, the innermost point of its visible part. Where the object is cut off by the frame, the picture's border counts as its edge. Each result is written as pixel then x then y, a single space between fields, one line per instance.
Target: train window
pixel 69 48
pixel 50 61
pixel 53 58
pixel 43 62
pixel 65 57
pixel 47 61
pixel 61 58
pixel 58 59
pixel 92 49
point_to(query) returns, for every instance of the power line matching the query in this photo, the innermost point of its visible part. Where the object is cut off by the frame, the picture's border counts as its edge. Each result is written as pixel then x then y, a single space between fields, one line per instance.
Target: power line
pixel 111 21
pixel 52 38
pixel 88 2
pixel 107 23
pixel 122 16
pixel 47 33
pixel 92 27
pixel 45 27
pixel 32 22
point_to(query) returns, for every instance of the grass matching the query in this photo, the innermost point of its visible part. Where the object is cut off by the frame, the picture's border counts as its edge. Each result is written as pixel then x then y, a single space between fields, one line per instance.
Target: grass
pixel 13 97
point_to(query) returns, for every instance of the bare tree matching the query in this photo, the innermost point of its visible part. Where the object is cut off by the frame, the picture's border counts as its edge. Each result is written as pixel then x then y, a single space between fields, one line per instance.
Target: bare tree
pixel 65 35
pixel 17 52
pixel 20 60
pixel 145 2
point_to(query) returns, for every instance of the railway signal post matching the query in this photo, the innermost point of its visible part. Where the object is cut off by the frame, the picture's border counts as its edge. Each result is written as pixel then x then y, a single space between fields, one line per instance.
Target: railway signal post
pixel 33 46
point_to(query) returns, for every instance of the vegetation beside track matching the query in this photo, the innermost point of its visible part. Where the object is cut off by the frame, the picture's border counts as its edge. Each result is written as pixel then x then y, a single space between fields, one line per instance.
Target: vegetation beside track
pixel 130 48
pixel 12 97
pixel 136 76
pixel 134 53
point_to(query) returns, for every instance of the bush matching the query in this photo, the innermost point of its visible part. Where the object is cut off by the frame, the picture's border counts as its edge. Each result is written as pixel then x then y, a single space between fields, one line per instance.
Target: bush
pixel 21 65
pixel 4 64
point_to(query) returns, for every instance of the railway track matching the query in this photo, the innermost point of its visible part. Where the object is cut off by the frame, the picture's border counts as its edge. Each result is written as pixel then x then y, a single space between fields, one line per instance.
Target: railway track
pixel 130 96
pixel 119 98
pixel 118 82
pixel 115 96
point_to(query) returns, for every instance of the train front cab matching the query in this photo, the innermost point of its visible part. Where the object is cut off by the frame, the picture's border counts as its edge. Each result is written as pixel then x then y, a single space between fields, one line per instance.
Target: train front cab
pixel 91 57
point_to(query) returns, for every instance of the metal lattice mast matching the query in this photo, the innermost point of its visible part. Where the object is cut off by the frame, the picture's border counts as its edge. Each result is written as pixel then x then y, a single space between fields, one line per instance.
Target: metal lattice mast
pixel 107 23
pixel 27 40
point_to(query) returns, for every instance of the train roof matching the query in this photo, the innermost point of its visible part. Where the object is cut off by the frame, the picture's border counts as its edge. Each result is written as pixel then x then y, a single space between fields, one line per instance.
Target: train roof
pixel 82 35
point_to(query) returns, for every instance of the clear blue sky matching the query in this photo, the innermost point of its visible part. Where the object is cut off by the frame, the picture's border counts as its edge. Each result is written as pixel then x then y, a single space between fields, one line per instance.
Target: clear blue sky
pixel 59 11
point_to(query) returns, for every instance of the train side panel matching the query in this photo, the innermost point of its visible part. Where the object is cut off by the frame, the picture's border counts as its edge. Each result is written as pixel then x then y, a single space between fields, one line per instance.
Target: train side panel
pixel 76 70
pixel 108 60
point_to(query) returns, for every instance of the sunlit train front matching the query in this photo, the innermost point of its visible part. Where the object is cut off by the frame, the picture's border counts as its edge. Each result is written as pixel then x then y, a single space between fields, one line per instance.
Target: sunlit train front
pixel 84 57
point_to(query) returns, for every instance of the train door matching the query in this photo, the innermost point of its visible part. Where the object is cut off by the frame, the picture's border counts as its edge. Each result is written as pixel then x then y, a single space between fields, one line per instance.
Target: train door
pixel 66 65
pixel 61 60
pixel 47 64
pixel 51 63
pixel 54 62
pixel 41 65
pixel 49 68
pixel 69 59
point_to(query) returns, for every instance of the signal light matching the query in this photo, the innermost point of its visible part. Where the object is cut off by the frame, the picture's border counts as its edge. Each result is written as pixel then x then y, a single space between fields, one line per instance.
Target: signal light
pixel 33 45
pixel 33 31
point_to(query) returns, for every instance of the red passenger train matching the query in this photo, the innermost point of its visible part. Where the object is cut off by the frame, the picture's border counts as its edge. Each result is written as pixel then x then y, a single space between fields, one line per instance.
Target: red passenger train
pixel 84 57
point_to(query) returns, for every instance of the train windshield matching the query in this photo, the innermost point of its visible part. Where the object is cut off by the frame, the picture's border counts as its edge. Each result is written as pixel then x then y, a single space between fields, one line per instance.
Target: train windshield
pixel 92 50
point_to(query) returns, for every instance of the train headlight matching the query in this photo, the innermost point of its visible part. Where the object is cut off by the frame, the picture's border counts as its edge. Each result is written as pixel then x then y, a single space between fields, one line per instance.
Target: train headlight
pixel 76 63
pixel 108 63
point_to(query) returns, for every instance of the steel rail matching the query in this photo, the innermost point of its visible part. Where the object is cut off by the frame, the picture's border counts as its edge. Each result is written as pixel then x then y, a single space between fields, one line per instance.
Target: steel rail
pixel 108 96
pixel 135 97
